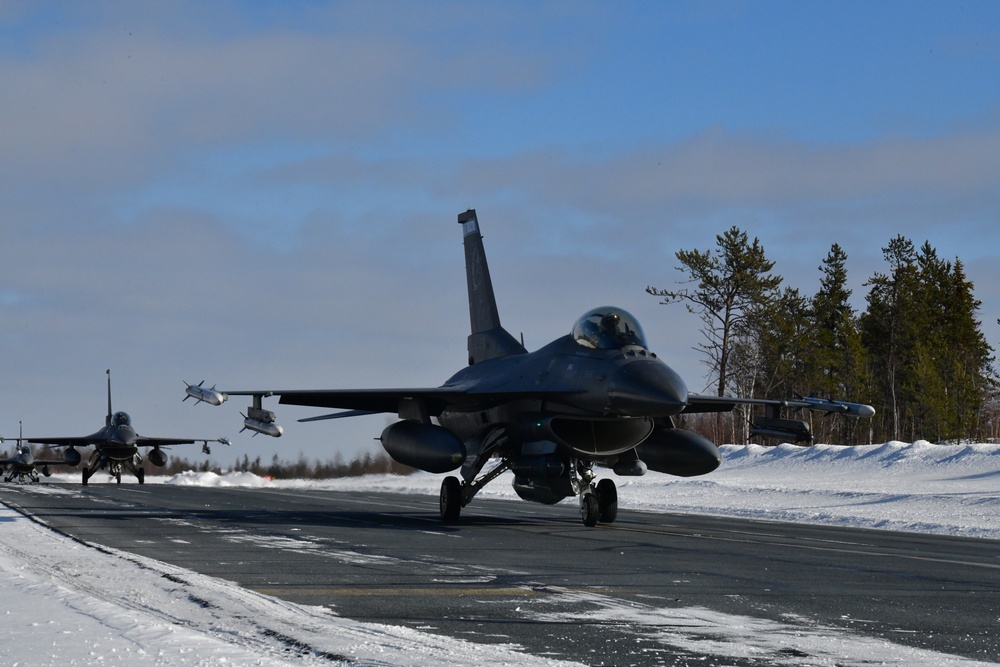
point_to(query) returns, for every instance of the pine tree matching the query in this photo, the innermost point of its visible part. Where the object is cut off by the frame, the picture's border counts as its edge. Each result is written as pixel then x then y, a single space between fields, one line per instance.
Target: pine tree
pixel 889 331
pixel 770 346
pixel 954 349
pixel 931 365
pixel 732 282
pixel 834 364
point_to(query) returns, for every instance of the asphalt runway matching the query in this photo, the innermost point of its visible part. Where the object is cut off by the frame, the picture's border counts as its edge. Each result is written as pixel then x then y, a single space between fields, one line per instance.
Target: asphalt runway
pixel 516 573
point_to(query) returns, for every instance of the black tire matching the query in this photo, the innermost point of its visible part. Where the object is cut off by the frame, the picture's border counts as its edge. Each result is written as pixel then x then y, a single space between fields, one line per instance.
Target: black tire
pixel 451 499
pixel 607 501
pixel 140 474
pixel 86 475
pixel 588 509
pixel 118 477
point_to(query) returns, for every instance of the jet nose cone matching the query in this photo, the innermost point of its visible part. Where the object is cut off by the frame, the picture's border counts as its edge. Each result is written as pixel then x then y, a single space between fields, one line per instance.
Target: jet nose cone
pixel 647 388
pixel 124 435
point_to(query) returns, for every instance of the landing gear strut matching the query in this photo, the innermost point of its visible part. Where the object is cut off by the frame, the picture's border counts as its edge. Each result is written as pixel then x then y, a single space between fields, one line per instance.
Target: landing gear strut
pixel 598 502
pixel 456 494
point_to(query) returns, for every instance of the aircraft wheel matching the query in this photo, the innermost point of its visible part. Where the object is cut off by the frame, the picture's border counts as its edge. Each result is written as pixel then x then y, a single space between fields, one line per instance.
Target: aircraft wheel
pixel 140 474
pixel 607 501
pixel 86 475
pixel 118 477
pixel 588 509
pixel 451 499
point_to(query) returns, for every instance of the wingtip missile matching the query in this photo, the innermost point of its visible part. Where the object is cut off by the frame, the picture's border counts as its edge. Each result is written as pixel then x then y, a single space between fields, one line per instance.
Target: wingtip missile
pixel 842 407
pixel 201 394
pixel 865 411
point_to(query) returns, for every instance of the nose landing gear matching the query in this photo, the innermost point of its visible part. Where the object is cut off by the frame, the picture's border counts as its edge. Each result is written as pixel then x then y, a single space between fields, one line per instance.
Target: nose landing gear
pixel 598 502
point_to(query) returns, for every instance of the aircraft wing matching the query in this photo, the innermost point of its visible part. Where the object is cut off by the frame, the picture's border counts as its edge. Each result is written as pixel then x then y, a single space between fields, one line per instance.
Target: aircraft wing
pixel 143 441
pixel 65 442
pixel 369 401
pixel 435 400
pixel 49 462
pixel 36 462
pixel 700 403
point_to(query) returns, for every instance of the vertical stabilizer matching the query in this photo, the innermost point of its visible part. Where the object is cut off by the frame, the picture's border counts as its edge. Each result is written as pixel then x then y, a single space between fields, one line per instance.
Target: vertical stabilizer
pixel 107 420
pixel 488 339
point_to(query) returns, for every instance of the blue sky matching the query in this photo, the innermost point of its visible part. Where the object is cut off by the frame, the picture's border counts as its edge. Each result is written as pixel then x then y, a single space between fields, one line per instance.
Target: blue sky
pixel 264 195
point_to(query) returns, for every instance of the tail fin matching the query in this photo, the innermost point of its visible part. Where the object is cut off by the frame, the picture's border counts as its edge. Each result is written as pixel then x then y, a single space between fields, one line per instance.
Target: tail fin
pixel 488 339
pixel 107 419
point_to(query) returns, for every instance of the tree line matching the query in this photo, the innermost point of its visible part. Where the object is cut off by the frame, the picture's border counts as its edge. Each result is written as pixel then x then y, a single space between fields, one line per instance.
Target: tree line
pixel 917 353
pixel 301 468
pixel 366 464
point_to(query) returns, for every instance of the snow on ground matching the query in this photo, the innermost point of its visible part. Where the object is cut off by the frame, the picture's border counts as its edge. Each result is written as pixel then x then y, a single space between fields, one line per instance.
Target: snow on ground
pixel 65 603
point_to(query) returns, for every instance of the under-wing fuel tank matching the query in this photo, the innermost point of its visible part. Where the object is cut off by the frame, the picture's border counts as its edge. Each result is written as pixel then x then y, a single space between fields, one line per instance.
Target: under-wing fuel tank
pixel 426 447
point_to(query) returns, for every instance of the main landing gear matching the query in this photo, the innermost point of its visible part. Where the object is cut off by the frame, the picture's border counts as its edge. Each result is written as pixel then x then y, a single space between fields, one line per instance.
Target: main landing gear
pixel 598 502
pixel 89 472
pixel 115 471
pixel 451 499
pixel 455 495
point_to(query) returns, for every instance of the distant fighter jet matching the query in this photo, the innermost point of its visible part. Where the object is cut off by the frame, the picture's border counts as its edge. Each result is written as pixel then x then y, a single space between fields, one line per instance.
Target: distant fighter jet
pixel 116 446
pixel 23 466
pixel 596 396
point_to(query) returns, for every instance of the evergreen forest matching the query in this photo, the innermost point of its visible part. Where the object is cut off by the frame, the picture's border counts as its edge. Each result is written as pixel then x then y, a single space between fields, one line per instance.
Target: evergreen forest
pixel 917 353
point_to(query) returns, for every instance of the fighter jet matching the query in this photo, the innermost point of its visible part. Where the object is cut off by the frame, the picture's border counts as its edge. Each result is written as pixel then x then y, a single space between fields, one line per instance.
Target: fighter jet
pixel 23 466
pixel 116 446
pixel 595 397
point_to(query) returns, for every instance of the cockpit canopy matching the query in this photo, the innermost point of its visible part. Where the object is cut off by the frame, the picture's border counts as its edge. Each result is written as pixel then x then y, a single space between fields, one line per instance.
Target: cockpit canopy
pixel 121 419
pixel 608 328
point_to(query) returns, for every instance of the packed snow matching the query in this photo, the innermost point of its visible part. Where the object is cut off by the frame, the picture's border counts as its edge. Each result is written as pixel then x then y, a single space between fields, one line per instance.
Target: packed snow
pixel 63 603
